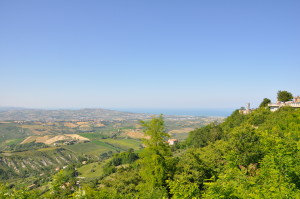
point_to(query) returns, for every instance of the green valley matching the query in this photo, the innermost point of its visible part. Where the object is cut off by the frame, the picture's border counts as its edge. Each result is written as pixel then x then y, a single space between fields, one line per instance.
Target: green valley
pixel 250 154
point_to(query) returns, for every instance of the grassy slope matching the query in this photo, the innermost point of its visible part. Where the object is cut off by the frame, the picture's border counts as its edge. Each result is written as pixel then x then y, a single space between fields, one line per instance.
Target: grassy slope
pixel 92 136
pixel 92 148
pixel 124 143
pixel 92 170
pixel 11 133
pixel 34 162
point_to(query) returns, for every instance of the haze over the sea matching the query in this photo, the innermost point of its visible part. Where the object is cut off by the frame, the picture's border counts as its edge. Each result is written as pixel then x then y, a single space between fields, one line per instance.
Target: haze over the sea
pixel 221 112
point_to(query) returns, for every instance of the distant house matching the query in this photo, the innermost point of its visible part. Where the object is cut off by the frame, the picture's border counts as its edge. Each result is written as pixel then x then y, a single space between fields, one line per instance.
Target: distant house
pixel 172 141
pixel 247 110
pixel 294 103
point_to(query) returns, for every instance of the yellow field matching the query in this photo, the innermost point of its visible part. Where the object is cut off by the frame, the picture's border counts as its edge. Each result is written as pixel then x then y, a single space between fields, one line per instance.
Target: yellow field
pixel 82 123
pixel 50 139
pixel 70 125
pixel 99 125
pixel 183 130
pixel 134 134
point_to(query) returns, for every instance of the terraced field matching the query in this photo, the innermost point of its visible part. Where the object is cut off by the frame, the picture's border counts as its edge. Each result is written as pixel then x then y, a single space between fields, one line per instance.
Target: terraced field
pixel 34 162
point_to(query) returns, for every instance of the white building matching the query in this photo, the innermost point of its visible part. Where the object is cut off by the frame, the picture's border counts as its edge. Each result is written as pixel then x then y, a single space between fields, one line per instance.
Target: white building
pixel 172 141
pixel 295 104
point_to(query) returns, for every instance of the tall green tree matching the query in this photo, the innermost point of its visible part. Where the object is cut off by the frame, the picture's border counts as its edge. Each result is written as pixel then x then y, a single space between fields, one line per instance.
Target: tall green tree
pixel 265 102
pixel 155 159
pixel 284 96
pixel 155 130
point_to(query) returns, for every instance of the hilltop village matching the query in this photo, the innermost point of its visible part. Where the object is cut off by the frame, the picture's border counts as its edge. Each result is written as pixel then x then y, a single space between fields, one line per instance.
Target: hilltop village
pixel 294 103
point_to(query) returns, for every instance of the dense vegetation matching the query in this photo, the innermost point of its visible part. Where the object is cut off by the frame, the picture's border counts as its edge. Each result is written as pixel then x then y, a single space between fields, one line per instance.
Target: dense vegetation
pixel 265 103
pixel 284 96
pixel 247 156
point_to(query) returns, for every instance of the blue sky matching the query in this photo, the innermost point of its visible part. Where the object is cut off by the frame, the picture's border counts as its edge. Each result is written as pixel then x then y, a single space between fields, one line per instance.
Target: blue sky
pixel 147 54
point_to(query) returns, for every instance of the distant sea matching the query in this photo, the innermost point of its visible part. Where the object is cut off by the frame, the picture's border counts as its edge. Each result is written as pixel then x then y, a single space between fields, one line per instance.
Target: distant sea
pixel 192 112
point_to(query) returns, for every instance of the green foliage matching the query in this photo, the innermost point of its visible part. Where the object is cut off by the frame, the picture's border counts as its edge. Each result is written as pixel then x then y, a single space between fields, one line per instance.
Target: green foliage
pixel 247 156
pixel 284 96
pixel 254 147
pixel 215 156
pixel 11 133
pixel 34 162
pixel 253 156
pixel 86 171
pixel 63 183
pixel 123 182
pixel 189 176
pixel 245 146
pixel 258 117
pixel 270 180
pixel 153 168
pixel 156 157
pixel 27 146
pixel 205 135
pixel 155 129
pixel 154 193
pixel 262 162
pixel 234 120
pixel 7 192
pixel 265 102
pixel 124 158
pixel 119 159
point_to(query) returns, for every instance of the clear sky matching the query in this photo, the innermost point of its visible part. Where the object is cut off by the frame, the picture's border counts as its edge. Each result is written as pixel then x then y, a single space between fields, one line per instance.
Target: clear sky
pixel 147 54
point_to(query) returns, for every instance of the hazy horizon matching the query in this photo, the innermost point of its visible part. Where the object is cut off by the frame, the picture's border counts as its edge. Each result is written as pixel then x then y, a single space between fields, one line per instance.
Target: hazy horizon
pixel 218 112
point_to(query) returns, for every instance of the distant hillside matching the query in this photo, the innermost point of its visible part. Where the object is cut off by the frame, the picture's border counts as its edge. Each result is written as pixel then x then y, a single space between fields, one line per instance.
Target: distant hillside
pixel 10 108
pixel 66 115
pixel 74 115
